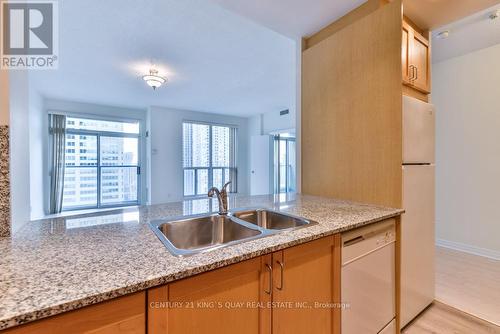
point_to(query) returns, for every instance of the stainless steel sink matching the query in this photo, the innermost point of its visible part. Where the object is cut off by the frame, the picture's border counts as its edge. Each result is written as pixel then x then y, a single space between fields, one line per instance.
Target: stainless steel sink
pixel 195 235
pixel 272 220
pixel 191 235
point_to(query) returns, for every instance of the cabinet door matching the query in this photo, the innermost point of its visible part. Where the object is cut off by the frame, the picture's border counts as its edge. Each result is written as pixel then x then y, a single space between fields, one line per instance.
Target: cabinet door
pixel 405 53
pixel 420 58
pixel 306 286
pixel 122 315
pixel 233 299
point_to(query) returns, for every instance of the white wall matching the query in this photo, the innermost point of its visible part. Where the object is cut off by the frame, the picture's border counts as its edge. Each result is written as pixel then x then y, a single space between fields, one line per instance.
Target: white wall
pixel 27 150
pixel 4 98
pixel 271 122
pixel 466 92
pixel 255 125
pixel 38 141
pixel 166 150
pixel 19 149
pixel 274 122
pixel 298 111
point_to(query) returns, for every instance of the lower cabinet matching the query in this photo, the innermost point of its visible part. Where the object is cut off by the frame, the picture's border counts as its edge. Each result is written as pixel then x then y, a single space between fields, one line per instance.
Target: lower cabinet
pixel 233 299
pixel 306 288
pixel 125 315
pixel 295 290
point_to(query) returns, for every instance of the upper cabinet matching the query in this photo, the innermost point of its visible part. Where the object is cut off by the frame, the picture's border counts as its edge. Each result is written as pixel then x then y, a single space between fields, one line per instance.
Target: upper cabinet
pixel 415 58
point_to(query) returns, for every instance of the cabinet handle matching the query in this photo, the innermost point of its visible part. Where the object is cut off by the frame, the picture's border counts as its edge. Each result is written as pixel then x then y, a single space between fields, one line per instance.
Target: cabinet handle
pixel 412 72
pixel 270 269
pixel 416 73
pixel 281 275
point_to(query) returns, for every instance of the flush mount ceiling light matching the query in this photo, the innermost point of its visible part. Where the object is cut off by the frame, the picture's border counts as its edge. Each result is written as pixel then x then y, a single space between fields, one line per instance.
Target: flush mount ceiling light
pixel 495 15
pixel 443 34
pixel 153 79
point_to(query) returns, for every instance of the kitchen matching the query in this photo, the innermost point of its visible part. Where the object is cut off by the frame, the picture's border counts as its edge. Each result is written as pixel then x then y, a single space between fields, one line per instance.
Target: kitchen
pixel 352 251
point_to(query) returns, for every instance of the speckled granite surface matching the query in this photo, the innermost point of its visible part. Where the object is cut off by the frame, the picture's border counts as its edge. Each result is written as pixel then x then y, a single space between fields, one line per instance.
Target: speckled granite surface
pixel 4 182
pixel 61 264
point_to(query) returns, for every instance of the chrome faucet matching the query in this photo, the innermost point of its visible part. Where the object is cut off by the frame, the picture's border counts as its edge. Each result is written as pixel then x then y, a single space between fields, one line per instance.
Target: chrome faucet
pixel 221 197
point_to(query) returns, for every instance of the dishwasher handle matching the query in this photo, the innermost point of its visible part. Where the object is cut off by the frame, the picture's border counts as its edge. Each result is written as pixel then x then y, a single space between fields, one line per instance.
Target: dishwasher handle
pixel 365 240
pixel 353 241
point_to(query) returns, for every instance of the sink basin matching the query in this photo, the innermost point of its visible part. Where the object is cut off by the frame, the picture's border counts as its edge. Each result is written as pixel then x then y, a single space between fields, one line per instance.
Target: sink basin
pixel 271 220
pixel 198 234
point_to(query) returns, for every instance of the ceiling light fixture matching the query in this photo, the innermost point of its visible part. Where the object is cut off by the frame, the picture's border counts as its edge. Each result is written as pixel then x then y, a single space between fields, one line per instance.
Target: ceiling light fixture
pixel 153 79
pixel 495 15
pixel 443 34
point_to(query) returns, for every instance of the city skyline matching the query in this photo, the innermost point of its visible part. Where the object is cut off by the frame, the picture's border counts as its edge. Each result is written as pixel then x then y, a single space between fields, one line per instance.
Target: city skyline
pixel 117 163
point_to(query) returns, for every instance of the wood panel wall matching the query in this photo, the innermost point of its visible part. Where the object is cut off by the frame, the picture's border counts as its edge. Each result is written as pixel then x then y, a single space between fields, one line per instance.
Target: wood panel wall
pixel 351 111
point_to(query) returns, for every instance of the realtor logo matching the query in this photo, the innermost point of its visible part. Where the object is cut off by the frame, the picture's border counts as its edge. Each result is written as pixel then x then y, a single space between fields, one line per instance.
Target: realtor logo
pixel 29 39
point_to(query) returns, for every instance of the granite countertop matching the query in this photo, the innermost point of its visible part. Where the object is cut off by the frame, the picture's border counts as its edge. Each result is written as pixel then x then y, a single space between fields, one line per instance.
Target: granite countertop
pixel 61 264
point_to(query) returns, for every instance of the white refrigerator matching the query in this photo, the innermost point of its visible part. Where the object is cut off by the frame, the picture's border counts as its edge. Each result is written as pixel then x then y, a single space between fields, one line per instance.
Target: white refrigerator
pixel 417 223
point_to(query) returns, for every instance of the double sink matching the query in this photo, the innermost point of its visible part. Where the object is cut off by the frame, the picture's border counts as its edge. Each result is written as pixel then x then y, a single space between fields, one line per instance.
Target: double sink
pixel 197 234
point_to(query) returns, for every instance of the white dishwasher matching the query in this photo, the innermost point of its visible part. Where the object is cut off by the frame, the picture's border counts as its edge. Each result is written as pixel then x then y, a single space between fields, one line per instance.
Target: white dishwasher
pixel 369 280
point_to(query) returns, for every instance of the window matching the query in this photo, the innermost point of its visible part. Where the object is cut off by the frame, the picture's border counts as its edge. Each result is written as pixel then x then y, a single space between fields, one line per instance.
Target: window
pixel 102 164
pixel 209 153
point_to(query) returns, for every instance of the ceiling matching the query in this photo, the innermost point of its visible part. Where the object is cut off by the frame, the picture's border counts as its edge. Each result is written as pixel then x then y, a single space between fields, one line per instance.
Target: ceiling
pixel 431 14
pixel 293 18
pixel 215 60
pixel 472 33
pixel 232 57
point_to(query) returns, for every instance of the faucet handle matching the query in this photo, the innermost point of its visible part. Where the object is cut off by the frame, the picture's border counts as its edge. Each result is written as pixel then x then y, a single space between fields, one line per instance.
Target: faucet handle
pixel 213 191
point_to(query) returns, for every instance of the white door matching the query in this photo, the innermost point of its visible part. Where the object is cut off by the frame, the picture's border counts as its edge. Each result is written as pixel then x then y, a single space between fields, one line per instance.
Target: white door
pixel 418 131
pixel 417 241
pixel 259 165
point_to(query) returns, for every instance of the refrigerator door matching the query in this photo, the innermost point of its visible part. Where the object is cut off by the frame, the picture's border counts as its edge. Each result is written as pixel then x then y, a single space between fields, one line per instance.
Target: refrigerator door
pixel 418 131
pixel 417 241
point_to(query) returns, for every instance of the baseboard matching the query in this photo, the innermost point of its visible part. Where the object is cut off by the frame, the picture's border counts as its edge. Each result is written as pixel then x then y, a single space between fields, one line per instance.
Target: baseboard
pixel 489 253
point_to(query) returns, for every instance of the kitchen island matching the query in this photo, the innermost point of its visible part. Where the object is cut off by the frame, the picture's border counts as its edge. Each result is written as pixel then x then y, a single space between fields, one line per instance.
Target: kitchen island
pixel 62 264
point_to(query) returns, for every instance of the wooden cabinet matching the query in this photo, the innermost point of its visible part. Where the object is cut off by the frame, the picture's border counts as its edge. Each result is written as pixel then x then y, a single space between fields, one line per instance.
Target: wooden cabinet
pixel 122 315
pixel 233 299
pixel 290 291
pixel 405 54
pixel 306 288
pixel 415 58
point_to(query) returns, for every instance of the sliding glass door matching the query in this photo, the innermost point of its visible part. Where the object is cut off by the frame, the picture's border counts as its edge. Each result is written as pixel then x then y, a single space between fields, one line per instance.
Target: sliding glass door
pixel 118 170
pixel 101 164
pixel 284 164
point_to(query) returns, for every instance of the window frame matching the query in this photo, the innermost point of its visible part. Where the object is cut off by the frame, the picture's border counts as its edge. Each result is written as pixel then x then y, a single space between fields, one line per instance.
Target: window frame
pixel 98 167
pixel 210 168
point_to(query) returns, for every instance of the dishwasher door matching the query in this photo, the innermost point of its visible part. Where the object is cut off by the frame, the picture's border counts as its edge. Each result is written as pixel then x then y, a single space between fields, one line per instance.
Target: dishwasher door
pixel 368 278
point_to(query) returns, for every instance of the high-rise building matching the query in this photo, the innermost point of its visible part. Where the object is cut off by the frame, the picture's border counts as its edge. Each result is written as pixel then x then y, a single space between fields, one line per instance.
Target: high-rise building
pixel 112 172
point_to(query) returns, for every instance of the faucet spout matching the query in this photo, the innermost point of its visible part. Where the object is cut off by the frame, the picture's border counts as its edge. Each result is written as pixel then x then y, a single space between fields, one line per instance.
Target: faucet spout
pixel 221 197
